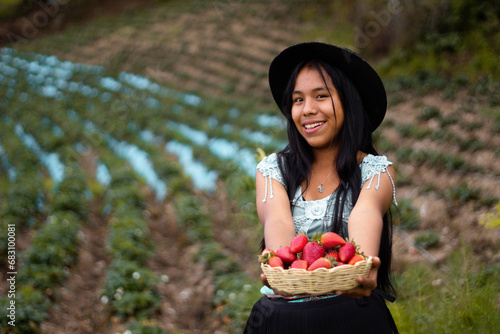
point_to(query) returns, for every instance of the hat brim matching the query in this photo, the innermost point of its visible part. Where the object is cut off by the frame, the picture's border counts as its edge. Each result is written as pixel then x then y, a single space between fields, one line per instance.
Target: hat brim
pixel 364 77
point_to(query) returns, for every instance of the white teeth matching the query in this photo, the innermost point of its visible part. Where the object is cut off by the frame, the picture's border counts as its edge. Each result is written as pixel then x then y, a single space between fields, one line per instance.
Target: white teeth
pixel 311 126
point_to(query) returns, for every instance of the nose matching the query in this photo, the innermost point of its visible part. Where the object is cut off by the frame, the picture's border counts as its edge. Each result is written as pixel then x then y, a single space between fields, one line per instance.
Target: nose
pixel 310 107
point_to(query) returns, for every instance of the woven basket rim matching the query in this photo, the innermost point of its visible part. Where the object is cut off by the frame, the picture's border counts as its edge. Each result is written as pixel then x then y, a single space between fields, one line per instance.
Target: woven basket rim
pixel 369 260
pixel 318 281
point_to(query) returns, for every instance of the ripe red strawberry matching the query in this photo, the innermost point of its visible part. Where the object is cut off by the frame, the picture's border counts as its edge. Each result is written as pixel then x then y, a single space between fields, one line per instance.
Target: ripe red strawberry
pixel 331 240
pixel 356 258
pixel 340 263
pixel 312 251
pixel 299 264
pixel 266 255
pixel 275 261
pixel 286 255
pixel 298 243
pixel 322 262
pixel 334 255
pixel 347 251
pixel 267 251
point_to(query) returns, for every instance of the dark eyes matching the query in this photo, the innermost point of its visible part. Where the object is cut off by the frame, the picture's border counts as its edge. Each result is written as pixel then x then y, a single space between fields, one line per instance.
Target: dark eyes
pixel 319 96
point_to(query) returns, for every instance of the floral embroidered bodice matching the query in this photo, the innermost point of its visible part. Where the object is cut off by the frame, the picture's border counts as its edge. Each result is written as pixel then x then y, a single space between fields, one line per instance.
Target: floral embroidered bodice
pixel 309 216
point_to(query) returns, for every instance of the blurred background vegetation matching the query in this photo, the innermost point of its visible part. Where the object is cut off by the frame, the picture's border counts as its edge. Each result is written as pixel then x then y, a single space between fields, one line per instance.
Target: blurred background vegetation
pixel 460 37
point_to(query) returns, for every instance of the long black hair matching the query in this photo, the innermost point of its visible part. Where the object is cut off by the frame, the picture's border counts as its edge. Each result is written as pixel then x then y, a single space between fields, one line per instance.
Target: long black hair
pixel 296 158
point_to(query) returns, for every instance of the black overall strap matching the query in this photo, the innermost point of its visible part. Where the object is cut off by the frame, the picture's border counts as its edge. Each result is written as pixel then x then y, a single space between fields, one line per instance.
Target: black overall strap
pixel 385 295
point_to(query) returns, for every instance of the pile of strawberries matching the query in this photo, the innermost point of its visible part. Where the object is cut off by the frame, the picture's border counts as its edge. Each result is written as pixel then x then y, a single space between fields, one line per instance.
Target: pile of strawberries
pixel 326 250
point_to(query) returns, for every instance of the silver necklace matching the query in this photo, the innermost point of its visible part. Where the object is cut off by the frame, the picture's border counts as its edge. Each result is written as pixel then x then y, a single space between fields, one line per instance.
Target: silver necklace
pixel 320 187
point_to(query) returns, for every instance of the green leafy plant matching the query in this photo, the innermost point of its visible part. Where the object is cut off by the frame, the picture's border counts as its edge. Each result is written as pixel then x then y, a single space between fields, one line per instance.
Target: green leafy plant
pixel 405 216
pixel 429 112
pixel 494 116
pixel 130 290
pixel 22 206
pixel 427 239
pixel 54 248
pixel 136 327
pixel 461 194
pixel 129 239
pixel 492 219
pixel 31 309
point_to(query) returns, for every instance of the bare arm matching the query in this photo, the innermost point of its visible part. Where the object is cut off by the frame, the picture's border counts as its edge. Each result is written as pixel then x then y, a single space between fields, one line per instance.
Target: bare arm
pixel 365 228
pixel 274 214
pixel 365 221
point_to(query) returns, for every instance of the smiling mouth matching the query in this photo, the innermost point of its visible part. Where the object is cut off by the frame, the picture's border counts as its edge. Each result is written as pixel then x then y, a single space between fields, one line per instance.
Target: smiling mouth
pixel 313 125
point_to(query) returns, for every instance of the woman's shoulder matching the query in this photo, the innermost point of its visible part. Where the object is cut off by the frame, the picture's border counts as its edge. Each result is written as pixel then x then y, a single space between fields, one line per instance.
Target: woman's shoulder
pixel 269 165
pixel 268 160
pixel 372 165
pixel 370 160
pixel 270 169
pixel 375 165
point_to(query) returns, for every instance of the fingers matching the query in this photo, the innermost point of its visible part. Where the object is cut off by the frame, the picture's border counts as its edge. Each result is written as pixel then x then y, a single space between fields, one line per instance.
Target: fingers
pixel 264 280
pixel 376 262
pixel 365 288
pixel 367 282
pixel 355 293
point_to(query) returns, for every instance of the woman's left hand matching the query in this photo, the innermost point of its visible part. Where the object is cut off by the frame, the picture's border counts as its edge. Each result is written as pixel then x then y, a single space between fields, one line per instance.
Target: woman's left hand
pixel 366 284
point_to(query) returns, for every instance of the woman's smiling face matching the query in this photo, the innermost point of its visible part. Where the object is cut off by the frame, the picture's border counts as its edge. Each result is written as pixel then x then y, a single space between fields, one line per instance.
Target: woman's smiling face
pixel 316 108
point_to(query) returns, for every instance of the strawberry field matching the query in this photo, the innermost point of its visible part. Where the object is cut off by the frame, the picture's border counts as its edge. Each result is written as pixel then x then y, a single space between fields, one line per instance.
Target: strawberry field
pixel 128 148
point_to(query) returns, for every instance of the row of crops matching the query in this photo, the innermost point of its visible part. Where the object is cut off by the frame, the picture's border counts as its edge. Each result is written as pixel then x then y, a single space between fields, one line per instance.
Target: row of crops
pixel 129 95
pixel 142 134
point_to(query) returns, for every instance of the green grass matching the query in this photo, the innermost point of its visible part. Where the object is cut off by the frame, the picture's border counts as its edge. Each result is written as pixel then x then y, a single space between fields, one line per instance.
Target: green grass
pixel 461 298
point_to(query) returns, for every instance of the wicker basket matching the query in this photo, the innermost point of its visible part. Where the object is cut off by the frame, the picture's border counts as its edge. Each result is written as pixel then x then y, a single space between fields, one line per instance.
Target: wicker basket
pixel 317 282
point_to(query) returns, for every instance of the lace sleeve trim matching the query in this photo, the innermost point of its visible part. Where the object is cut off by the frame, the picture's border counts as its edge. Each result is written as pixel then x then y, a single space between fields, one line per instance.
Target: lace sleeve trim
pixel 373 166
pixel 270 169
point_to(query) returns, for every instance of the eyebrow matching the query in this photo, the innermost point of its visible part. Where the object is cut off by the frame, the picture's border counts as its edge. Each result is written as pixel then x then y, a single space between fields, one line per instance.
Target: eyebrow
pixel 314 90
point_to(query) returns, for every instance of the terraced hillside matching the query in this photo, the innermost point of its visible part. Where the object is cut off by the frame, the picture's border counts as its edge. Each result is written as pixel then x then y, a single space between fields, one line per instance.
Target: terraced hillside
pixel 128 148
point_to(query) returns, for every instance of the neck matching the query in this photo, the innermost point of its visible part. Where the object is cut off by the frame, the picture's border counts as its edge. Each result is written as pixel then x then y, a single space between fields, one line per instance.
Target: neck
pixel 323 177
pixel 324 159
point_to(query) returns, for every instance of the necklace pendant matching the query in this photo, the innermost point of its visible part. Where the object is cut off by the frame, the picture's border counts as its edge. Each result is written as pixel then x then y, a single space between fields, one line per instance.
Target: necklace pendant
pixel 320 188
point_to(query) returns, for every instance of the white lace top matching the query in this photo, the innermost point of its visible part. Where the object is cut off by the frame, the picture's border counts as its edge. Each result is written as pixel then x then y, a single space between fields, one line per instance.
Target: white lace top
pixel 309 216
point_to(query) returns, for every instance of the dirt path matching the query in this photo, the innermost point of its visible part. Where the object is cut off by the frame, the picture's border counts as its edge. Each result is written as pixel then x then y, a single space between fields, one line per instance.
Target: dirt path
pixel 239 242
pixel 187 285
pixel 78 308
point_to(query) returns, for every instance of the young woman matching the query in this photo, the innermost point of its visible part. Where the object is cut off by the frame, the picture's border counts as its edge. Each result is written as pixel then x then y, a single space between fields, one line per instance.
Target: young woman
pixel 328 178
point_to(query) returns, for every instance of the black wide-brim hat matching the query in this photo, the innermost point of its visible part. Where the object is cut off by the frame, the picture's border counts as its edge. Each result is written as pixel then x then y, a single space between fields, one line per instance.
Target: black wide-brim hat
pixel 367 81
